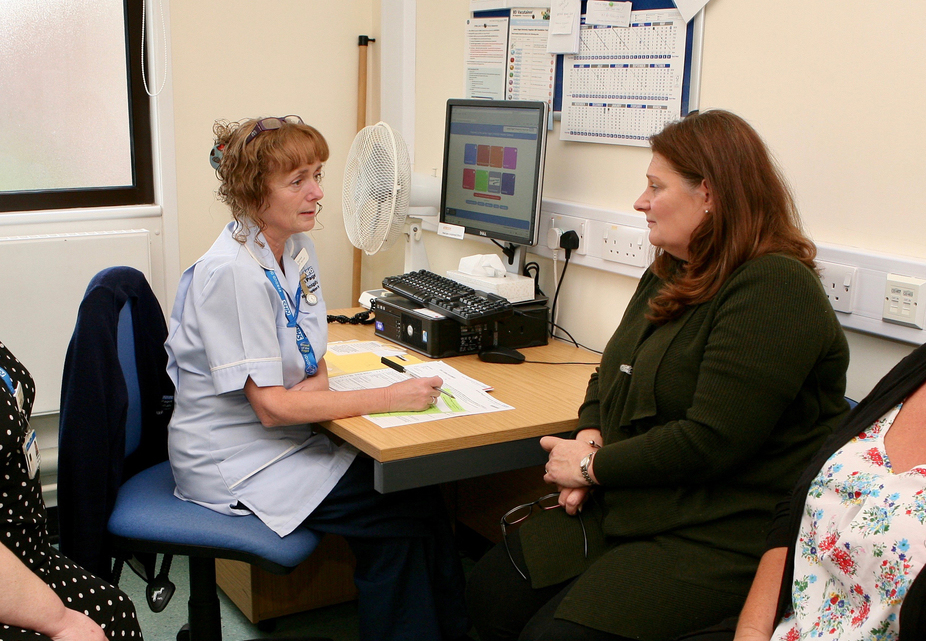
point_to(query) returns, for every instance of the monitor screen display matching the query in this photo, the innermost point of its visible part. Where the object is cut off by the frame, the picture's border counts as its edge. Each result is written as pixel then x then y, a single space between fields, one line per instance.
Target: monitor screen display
pixel 493 168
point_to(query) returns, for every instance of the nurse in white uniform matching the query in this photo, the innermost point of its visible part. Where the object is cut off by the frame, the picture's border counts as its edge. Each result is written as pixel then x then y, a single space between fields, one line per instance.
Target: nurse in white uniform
pixel 246 352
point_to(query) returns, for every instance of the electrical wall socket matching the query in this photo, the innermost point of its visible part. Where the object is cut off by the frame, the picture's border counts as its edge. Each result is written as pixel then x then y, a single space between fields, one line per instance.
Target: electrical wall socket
pixel 904 301
pixel 569 223
pixel 625 244
pixel 839 281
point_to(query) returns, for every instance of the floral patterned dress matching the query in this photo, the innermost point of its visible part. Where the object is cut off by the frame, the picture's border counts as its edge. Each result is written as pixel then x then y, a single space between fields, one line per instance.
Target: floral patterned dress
pixel 861 544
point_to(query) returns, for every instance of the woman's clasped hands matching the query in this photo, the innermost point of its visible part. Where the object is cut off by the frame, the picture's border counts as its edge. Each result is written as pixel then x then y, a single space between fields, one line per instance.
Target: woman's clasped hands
pixel 563 467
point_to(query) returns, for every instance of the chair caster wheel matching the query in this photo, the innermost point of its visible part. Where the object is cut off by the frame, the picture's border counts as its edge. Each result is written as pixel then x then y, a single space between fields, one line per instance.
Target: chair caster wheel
pixel 184 634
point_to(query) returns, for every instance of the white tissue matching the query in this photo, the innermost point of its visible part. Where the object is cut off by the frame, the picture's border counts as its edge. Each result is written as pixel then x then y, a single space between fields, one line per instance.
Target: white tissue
pixel 483 265
pixel 486 273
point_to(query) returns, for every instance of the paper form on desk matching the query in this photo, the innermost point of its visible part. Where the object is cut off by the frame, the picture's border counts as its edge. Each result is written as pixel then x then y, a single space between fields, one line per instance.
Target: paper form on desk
pixel 350 357
pixel 355 347
pixel 471 396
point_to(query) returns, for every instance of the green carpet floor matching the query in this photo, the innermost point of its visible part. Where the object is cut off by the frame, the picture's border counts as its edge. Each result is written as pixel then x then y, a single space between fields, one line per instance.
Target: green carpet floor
pixel 337 622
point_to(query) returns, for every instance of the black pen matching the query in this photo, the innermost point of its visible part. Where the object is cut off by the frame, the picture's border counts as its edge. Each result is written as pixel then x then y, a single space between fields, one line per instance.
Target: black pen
pixel 400 368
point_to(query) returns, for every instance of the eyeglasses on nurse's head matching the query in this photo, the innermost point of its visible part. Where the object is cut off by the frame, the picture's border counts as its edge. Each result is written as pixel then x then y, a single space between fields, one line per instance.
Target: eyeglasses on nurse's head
pixel 520 513
pixel 268 124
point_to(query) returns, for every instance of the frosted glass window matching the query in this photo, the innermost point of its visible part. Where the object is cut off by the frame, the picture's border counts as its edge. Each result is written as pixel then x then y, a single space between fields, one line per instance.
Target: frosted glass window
pixel 65 96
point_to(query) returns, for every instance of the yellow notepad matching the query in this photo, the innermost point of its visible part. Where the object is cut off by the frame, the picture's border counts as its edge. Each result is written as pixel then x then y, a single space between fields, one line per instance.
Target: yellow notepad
pixel 339 364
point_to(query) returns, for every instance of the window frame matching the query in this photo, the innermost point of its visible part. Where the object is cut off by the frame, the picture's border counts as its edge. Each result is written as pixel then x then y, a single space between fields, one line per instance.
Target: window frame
pixel 142 191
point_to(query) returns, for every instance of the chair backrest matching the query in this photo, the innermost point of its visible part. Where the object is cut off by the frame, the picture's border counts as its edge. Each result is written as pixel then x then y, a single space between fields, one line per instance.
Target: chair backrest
pixel 125 343
pixel 116 401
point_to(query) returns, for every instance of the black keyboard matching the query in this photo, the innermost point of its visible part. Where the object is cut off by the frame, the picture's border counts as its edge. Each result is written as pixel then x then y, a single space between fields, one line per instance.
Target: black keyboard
pixel 448 297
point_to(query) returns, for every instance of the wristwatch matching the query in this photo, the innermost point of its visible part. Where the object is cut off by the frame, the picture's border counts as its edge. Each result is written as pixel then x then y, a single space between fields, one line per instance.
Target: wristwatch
pixel 584 467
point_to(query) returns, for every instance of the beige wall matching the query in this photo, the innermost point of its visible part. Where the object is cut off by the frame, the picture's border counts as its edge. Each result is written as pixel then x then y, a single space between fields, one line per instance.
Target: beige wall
pixel 835 93
pixel 236 59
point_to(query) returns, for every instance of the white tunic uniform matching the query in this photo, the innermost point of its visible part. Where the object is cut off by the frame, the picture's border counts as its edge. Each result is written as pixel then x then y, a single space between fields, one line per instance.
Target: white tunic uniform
pixel 228 324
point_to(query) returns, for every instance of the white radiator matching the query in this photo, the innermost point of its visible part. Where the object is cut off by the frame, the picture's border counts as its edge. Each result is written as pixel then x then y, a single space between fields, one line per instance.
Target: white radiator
pixel 42 281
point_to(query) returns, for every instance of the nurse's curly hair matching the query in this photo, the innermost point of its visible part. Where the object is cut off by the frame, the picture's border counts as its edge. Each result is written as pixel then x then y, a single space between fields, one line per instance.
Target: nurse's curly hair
pixel 246 168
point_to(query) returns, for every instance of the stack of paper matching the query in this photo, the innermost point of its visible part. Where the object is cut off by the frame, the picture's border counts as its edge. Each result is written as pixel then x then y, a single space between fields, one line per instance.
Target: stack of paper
pixel 355 365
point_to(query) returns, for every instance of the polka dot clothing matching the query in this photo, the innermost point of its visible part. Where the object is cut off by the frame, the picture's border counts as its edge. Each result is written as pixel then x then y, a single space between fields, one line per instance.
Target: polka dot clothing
pixel 22 525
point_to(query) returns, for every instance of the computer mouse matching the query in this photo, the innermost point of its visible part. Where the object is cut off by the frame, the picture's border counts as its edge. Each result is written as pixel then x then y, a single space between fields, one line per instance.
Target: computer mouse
pixel 504 355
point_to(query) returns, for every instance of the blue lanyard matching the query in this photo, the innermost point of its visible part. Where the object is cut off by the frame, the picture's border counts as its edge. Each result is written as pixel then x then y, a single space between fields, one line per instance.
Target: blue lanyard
pixel 302 341
pixel 8 381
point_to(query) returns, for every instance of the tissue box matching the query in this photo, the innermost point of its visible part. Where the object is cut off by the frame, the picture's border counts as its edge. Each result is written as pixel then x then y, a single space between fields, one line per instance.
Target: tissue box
pixel 511 286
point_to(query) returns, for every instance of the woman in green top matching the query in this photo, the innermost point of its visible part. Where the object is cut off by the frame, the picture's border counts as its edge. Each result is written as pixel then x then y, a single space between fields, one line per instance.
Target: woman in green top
pixel 725 375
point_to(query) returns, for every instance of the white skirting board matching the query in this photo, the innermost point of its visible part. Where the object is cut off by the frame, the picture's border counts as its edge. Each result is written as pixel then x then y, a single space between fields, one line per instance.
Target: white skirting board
pixel 43 281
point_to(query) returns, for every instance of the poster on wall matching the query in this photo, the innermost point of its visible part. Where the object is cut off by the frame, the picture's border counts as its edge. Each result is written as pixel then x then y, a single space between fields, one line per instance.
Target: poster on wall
pixel 485 53
pixel 625 84
pixel 531 71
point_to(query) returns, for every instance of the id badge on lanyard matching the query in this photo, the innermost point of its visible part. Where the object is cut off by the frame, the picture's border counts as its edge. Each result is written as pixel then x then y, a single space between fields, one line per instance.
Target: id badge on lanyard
pixel 30 445
pixel 31 452
pixel 302 341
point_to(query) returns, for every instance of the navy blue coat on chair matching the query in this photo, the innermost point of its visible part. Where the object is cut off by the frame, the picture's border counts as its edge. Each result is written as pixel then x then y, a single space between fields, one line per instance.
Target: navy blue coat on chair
pixel 94 404
pixel 116 488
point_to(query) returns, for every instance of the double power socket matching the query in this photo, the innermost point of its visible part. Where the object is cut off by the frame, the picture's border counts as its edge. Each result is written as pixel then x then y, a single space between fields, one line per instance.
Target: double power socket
pixel 623 244
pixel 891 297
pixel 902 300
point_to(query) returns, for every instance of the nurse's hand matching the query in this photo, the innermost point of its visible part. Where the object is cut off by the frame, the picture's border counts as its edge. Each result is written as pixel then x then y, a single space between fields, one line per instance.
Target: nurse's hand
pixel 414 394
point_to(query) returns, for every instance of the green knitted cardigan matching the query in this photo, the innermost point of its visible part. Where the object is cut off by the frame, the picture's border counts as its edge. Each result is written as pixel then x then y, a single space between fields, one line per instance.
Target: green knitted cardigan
pixel 708 421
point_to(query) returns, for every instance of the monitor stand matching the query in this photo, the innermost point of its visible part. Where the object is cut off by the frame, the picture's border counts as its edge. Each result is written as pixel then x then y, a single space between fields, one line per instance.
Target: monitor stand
pixel 515 256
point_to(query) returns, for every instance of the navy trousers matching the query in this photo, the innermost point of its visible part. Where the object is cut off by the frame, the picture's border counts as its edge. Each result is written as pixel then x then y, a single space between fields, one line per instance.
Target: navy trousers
pixel 409 577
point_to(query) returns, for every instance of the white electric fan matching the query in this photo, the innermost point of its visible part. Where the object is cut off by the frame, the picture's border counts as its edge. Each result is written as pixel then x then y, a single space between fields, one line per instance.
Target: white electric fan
pixel 378 190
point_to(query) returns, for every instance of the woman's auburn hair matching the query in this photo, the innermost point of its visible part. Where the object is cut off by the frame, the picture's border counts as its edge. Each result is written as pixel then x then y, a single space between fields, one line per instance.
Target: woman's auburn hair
pixel 246 168
pixel 753 211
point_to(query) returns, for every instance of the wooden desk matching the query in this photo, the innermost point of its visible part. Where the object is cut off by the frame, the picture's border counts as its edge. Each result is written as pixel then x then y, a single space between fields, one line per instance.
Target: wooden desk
pixel 545 397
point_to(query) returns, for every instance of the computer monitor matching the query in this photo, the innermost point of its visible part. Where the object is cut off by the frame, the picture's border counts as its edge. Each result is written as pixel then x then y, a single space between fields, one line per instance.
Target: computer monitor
pixel 493 171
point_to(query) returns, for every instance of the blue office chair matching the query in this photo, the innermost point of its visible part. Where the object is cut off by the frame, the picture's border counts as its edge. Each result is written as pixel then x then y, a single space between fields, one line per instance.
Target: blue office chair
pixel 122 322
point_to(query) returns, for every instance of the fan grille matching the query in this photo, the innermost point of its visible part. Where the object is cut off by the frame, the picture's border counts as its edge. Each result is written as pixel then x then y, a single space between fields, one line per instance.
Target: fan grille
pixel 377 180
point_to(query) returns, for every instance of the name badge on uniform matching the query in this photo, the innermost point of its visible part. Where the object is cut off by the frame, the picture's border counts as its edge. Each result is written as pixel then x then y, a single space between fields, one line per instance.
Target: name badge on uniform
pixel 302 258
pixel 31 451
pixel 309 297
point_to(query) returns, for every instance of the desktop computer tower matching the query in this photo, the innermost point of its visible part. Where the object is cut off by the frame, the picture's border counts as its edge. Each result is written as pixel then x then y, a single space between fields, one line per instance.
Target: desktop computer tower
pixel 421 330
pixel 528 327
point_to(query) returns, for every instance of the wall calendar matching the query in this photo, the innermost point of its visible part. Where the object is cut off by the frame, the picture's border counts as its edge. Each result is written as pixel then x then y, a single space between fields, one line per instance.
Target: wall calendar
pixel 626 83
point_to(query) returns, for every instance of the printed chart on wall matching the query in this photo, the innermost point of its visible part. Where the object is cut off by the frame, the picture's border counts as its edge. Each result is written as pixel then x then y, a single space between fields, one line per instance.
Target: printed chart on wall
pixel 485 48
pixel 531 70
pixel 625 83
